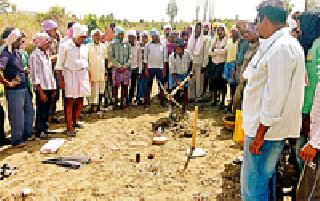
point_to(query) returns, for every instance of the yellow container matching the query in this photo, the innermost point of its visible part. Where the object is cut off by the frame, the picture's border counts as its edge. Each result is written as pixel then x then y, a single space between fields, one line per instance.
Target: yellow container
pixel 238 134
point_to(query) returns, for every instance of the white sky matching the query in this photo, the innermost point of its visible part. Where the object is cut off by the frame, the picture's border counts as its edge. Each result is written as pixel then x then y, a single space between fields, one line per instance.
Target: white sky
pixel 134 10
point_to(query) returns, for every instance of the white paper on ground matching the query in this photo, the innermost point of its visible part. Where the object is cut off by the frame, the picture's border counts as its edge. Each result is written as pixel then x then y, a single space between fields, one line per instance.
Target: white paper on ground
pixel 52 146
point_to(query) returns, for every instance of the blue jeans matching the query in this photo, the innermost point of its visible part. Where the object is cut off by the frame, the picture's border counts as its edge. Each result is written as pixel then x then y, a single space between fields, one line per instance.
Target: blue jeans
pixel 227 72
pixel 20 113
pixel 155 72
pixel 258 171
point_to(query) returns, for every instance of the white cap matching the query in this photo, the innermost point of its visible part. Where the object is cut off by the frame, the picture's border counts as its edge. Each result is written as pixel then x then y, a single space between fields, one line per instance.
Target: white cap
pixel 168 26
pixel 132 33
pixel 221 25
pixel 79 30
pixel 145 33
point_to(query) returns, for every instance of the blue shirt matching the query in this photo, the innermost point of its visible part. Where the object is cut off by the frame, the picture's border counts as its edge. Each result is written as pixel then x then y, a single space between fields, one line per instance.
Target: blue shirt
pixel 11 64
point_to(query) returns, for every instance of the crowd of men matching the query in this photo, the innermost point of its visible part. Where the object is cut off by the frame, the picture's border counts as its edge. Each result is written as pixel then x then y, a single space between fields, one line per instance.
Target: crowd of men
pixel 266 80
pixel 99 65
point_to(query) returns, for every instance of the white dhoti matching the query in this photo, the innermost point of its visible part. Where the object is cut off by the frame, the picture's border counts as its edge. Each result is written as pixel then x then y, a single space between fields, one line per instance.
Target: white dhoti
pixel 97 88
pixel 196 83
pixel 77 84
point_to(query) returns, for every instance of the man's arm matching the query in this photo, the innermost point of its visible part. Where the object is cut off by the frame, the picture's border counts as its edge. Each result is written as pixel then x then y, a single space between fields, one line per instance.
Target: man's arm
pixel 60 63
pixel 3 80
pixel 128 63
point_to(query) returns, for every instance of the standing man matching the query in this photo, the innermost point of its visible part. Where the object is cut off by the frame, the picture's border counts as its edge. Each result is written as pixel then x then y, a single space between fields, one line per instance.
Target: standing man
pixel 312 65
pixel 13 77
pixel 251 34
pixel 142 83
pixel 72 67
pixel 51 28
pixel 98 55
pixel 241 54
pixel 25 64
pixel 120 55
pixel 134 63
pixel 273 99
pixel 155 64
pixel 219 56
pixel 43 80
pixel 206 47
pixel 230 65
pixel 170 47
pixel 197 51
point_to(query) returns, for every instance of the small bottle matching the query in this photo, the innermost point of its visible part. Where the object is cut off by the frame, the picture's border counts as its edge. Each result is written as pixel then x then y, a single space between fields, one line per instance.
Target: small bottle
pixel 159 131
pixel 138 158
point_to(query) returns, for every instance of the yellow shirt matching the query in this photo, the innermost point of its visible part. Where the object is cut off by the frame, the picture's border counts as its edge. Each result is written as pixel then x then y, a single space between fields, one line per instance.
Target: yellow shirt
pixel 232 49
pixel 97 56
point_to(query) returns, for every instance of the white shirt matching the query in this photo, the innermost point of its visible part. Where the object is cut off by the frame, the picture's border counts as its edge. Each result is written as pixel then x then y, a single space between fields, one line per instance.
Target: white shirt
pixel 41 70
pixel 179 65
pixel 135 58
pixel 275 90
pixel 71 57
pixel 154 55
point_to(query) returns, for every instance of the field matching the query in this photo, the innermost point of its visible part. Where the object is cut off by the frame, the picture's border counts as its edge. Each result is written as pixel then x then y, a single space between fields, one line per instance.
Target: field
pixel 112 142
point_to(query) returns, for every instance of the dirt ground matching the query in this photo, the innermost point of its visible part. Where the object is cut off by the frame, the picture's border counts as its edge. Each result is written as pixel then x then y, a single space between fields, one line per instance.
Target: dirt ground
pixel 112 141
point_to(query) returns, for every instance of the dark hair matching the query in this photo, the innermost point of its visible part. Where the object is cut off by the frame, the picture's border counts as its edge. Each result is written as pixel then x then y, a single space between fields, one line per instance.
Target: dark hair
pixel 276 15
pixel 198 25
pixel 7 32
pixel 70 24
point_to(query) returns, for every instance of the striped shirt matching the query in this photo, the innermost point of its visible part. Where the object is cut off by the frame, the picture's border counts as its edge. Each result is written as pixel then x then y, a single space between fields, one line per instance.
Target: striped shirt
pixel 41 70
pixel 120 54
pixel 315 120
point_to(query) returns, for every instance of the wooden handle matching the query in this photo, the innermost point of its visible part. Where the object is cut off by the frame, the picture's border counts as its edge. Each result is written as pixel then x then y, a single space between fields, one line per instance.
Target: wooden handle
pixel 194 130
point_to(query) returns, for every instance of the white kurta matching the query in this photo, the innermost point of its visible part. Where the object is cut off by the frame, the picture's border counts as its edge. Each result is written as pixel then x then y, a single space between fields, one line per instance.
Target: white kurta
pixel 73 61
pixel 97 56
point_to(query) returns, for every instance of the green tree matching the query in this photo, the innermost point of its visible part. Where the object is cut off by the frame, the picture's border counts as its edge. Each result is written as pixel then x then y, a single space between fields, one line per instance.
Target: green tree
pixel 92 21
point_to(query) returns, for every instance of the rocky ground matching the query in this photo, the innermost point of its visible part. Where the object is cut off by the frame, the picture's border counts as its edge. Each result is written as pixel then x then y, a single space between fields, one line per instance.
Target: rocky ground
pixel 112 141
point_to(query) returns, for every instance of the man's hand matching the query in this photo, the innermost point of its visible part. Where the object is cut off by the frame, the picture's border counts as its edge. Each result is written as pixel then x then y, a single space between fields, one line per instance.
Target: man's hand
pixel 146 73
pixel 54 59
pixel 306 126
pixel 54 94
pixel 233 75
pixel 12 84
pixel 43 97
pixel 26 70
pixel 308 153
pixel 258 140
pixel 89 76
pixel 61 84
pixel 164 73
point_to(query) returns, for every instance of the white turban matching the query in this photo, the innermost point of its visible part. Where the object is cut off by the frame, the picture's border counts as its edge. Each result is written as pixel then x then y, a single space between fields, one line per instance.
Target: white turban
pixel 40 39
pixel 221 25
pixel 132 33
pixel 79 30
pixel 13 36
pixel 94 32
pixel 168 26
pixel 145 33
